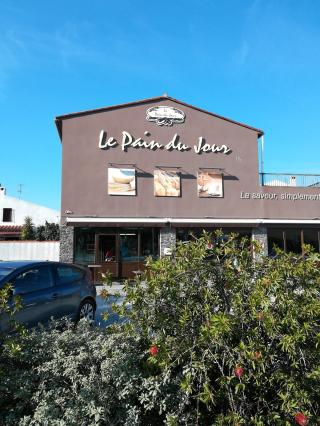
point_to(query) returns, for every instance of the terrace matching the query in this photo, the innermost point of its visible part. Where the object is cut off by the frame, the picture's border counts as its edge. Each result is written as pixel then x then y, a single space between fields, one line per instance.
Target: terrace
pixel 290 179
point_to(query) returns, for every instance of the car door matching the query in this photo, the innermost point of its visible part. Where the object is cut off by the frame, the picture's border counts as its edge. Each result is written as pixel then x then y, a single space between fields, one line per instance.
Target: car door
pixel 68 280
pixel 35 286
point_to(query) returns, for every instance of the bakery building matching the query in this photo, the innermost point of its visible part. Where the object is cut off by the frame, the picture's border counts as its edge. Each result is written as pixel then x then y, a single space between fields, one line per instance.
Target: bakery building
pixel 138 177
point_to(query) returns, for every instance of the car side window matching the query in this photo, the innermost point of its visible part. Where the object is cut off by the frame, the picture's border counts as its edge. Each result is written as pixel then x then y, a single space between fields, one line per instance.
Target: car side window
pixel 68 274
pixel 33 279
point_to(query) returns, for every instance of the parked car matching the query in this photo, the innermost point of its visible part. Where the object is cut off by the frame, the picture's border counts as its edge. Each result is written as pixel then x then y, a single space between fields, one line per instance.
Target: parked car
pixel 49 289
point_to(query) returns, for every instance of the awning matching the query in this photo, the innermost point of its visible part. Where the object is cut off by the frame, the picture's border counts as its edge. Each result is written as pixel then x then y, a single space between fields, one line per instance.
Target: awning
pixel 10 230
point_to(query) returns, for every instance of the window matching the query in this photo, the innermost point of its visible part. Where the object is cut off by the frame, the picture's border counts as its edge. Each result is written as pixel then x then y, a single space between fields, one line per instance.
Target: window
pixel 129 246
pixel 189 234
pixel 32 280
pixel 68 274
pixel 84 245
pixel 275 239
pixel 291 240
pixel 5 271
pixel 149 242
pixel 311 236
pixel 107 248
pixel 7 215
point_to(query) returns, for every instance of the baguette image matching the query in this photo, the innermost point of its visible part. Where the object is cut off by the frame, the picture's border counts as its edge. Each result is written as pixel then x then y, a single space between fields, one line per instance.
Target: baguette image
pixel 121 181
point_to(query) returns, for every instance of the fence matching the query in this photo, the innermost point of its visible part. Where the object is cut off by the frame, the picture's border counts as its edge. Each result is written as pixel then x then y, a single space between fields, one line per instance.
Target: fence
pixel 29 250
pixel 290 179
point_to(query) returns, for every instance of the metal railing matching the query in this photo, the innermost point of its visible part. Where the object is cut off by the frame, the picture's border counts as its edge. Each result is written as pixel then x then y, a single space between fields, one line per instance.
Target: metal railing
pixel 290 179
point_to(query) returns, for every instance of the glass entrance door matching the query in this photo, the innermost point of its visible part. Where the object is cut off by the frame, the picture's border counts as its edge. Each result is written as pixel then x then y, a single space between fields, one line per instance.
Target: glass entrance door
pixel 122 252
pixel 107 253
pixel 129 254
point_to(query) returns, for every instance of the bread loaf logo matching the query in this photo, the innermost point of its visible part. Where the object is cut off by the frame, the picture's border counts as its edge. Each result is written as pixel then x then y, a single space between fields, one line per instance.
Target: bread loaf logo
pixel 165 115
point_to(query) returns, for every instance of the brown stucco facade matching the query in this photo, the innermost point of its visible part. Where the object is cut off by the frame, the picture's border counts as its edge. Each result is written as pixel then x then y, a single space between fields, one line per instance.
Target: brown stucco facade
pixel 85 198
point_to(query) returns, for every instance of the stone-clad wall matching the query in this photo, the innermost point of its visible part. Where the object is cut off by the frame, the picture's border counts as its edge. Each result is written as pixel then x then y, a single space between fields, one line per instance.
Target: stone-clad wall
pixel 66 243
pixel 167 239
pixel 261 236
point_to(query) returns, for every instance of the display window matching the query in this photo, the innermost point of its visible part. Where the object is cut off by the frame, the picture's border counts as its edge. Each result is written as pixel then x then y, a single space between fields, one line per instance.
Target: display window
pixel 311 237
pixel 189 234
pixel 292 240
pixel 121 251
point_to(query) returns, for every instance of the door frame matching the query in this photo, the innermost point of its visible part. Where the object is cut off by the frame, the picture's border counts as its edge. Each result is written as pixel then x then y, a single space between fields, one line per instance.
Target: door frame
pixel 104 265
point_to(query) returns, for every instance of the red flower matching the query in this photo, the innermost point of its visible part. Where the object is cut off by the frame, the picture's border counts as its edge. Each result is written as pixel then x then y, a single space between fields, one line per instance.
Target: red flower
pixel 238 372
pixel 153 350
pixel 301 419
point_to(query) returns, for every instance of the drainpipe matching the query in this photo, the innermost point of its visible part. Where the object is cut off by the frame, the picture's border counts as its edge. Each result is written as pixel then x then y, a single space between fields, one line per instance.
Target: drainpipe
pixel 262 160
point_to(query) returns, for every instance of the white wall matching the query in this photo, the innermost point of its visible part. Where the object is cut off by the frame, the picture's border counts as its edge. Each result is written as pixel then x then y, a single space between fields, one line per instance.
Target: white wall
pixel 29 250
pixel 21 209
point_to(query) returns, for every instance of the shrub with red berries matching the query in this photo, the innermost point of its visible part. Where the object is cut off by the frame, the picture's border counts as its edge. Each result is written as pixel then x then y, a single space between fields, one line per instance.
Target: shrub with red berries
pixel 153 350
pixel 212 336
pixel 239 334
pixel 238 372
pixel 301 419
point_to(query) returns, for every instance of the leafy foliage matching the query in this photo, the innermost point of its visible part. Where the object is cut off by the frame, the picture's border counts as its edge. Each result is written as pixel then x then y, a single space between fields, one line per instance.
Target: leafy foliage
pixel 10 333
pixel 39 233
pixel 47 232
pixel 51 231
pixel 237 334
pixel 212 336
pixel 28 229
pixel 76 376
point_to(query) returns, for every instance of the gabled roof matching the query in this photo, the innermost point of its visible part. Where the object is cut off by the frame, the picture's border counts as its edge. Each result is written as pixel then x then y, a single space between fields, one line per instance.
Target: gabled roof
pixel 60 118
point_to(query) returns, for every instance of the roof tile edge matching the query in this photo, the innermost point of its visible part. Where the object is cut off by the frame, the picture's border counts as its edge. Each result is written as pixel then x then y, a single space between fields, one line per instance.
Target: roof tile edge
pixel 60 118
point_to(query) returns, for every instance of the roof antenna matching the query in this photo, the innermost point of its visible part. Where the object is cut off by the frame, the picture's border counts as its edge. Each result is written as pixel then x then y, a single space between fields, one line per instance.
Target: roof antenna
pixel 20 190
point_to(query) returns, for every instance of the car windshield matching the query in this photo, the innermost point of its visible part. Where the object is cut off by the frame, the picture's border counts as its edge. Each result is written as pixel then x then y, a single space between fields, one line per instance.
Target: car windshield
pixel 5 271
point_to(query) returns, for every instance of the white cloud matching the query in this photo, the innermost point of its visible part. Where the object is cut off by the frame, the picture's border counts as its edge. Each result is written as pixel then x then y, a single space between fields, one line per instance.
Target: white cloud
pixel 29 48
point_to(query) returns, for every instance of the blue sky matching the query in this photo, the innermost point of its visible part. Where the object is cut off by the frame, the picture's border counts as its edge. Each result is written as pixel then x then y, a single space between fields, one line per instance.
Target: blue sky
pixel 253 61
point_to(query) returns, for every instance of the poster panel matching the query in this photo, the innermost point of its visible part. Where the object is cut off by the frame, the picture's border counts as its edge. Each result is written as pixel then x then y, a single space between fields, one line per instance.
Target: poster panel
pixel 166 184
pixel 210 185
pixel 121 181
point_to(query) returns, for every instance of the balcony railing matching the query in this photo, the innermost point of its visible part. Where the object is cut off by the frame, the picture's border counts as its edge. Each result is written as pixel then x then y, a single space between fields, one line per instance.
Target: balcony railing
pixel 290 179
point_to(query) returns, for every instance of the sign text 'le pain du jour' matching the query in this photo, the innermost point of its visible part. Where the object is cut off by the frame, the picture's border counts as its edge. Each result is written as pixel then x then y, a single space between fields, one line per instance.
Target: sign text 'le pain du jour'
pixel 128 141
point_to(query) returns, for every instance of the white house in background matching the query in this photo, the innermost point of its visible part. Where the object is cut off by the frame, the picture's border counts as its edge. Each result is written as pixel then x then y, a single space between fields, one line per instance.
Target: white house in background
pixel 13 212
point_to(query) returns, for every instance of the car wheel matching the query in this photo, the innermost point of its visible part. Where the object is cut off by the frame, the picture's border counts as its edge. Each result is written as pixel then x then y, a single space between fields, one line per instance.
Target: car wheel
pixel 87 310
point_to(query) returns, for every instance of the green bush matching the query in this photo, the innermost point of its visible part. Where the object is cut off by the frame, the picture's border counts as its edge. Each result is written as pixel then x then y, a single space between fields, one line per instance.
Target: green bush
pixel 234 335
pixel 28 229
pixel 47 232
pixel 78 376
pixel 214 336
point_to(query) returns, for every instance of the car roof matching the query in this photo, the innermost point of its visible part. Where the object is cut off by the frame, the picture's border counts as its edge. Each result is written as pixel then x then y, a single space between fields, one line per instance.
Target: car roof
pixel 20 263
pixel 16 264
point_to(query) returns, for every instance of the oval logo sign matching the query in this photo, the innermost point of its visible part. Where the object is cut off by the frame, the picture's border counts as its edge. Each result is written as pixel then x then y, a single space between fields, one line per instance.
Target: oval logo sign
pixel 165 115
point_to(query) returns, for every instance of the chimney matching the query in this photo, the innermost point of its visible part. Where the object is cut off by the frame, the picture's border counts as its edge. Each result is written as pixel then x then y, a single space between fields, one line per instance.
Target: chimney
pixel 292 181
pixel 2 191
